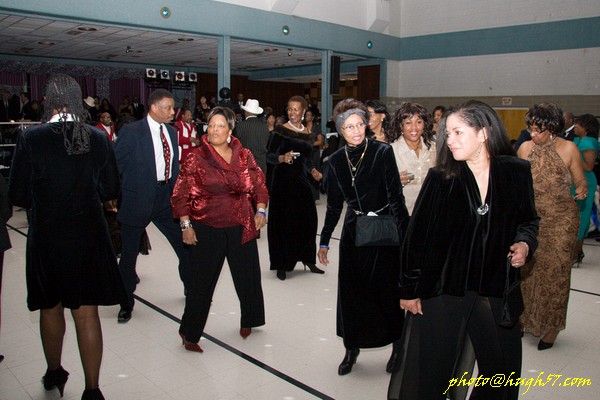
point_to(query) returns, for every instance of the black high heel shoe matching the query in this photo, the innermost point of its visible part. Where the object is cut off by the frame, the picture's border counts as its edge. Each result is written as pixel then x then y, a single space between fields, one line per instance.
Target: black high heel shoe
pixel 281 274
pixel 313 268
pixel 92 394
pixel 579 260
pixel 348 361
pixel 56 379
pixel 544 345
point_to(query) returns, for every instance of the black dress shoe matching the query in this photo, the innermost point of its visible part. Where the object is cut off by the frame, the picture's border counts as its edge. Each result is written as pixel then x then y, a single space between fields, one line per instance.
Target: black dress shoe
pixel 348 361
pixel 313 268
pixel 124 316
pixel 281 274
pixel 544 346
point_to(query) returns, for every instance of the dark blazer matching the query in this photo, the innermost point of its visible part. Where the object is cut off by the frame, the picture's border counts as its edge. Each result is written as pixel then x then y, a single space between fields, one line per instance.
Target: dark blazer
pixel 569 133
pixel 138 111
pixel 6 113
pixel 449 248
pixel 135 157
pixel 5 214
pixel 253 133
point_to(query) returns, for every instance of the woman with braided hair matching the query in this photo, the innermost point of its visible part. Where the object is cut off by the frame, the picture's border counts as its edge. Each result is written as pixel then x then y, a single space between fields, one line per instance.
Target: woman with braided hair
pixel 63 171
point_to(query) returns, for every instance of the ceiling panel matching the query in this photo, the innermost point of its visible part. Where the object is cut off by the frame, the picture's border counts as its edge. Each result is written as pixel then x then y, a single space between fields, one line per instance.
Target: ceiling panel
pixel 50 38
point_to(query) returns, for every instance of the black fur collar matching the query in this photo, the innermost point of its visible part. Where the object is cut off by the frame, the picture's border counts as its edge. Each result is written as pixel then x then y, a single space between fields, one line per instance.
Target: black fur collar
pixel 290 134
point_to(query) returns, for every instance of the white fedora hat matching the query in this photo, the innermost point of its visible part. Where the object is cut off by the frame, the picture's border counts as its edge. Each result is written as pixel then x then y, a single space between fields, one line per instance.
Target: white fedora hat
pixel 252 107
pixel 89 101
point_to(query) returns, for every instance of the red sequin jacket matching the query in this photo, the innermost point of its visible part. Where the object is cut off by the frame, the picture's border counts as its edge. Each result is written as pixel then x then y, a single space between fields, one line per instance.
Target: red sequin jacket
pixel 218 194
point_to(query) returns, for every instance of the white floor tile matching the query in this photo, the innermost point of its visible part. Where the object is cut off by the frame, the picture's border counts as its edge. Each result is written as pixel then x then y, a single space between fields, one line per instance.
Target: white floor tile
pixel 144 359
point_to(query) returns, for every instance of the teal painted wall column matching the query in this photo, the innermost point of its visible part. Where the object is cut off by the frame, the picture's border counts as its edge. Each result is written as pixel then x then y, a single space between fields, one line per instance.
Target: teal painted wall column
pixel 224 62
pixel 326 96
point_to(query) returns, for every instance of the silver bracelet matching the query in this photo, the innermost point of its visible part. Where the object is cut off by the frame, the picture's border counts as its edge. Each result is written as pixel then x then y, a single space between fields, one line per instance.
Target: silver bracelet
pixel 185 224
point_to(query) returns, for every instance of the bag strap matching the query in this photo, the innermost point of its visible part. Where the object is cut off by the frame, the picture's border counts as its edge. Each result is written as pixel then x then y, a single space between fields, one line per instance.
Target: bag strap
pixel 508 267
pixel 357 199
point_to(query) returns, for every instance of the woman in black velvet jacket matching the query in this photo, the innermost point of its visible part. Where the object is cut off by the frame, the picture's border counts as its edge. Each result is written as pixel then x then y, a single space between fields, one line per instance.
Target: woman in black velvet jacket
pixel 364 175
pixel 474 210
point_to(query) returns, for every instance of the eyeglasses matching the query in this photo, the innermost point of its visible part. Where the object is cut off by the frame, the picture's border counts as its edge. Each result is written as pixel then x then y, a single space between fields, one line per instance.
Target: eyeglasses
pixel 219 126
pixel 536 131
pixel 352 128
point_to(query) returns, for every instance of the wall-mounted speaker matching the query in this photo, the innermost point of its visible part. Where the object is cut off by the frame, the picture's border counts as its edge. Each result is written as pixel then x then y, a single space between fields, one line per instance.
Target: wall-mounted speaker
pixel 179 76
pixel 164 74
pixel 150 73
pixel 192 77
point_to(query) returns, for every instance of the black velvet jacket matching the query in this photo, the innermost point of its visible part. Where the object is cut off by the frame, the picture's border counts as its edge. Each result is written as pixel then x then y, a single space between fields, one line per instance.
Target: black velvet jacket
pixel 450 248
pixel 377 183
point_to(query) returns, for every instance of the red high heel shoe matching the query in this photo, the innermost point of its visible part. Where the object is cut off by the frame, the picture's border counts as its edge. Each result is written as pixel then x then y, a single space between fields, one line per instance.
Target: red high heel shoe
pixel 190 346
pixel 245 332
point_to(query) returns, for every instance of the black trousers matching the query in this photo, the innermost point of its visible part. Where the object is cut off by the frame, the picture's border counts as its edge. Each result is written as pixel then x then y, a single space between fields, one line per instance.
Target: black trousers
pixel 162 217
pixel 434 342
pixel 208 256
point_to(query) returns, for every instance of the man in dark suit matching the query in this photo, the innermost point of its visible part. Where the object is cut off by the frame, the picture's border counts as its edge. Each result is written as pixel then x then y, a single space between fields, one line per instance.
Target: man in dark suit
pixel 5 214
pixel 147 156
pixel 253 133
pixel 569 132
pixel 6 109
pixel 138 108
pixel 26 112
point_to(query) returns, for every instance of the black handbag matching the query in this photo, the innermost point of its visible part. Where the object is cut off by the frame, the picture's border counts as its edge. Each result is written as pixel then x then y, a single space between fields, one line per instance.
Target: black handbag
pixel 380 230
pixel 512 305
pixel 375 230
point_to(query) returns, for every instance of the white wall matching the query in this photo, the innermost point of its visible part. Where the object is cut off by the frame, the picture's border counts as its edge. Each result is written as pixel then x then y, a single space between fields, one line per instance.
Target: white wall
pixel 565 72
pixel 351 13
pixel 416 17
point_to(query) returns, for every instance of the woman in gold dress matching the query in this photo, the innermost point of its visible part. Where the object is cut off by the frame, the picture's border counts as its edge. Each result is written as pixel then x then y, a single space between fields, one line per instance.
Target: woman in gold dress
pixel 555 166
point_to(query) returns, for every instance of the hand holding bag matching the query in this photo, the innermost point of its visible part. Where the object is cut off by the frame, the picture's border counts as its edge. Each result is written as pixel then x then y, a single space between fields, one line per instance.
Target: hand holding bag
pixel 512 306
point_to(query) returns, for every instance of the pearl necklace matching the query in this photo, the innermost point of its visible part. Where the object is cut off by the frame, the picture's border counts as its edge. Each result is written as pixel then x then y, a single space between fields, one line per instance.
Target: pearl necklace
pixel 301 129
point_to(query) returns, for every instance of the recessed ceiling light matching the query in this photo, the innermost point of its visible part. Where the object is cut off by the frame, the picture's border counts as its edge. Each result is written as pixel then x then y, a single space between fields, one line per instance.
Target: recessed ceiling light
pixel 185 39
pixel 165 12
pixel 46 43
pixel 280 65
pixel 300 59
pixel 212 58
pixel 271 49
pixel 87 29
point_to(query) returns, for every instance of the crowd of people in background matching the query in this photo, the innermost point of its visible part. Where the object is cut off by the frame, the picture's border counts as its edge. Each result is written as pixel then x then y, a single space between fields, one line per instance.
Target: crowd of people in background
pixel 443 176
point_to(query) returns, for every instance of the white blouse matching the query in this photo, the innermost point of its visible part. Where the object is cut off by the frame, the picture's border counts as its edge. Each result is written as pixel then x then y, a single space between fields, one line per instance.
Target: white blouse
pixel 407 160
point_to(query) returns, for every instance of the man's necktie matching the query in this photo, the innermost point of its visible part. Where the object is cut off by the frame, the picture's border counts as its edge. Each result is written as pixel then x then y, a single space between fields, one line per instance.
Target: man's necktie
pixel 166 153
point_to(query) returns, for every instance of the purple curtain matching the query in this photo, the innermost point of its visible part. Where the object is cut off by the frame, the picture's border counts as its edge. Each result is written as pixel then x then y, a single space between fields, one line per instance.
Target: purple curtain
pixel 122 87
pixel 88 85
pixel 13 82
pixel 37 85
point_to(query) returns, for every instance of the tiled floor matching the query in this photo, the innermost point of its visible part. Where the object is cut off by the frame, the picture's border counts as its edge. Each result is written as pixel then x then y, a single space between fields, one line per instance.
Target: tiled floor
pixel 294 356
